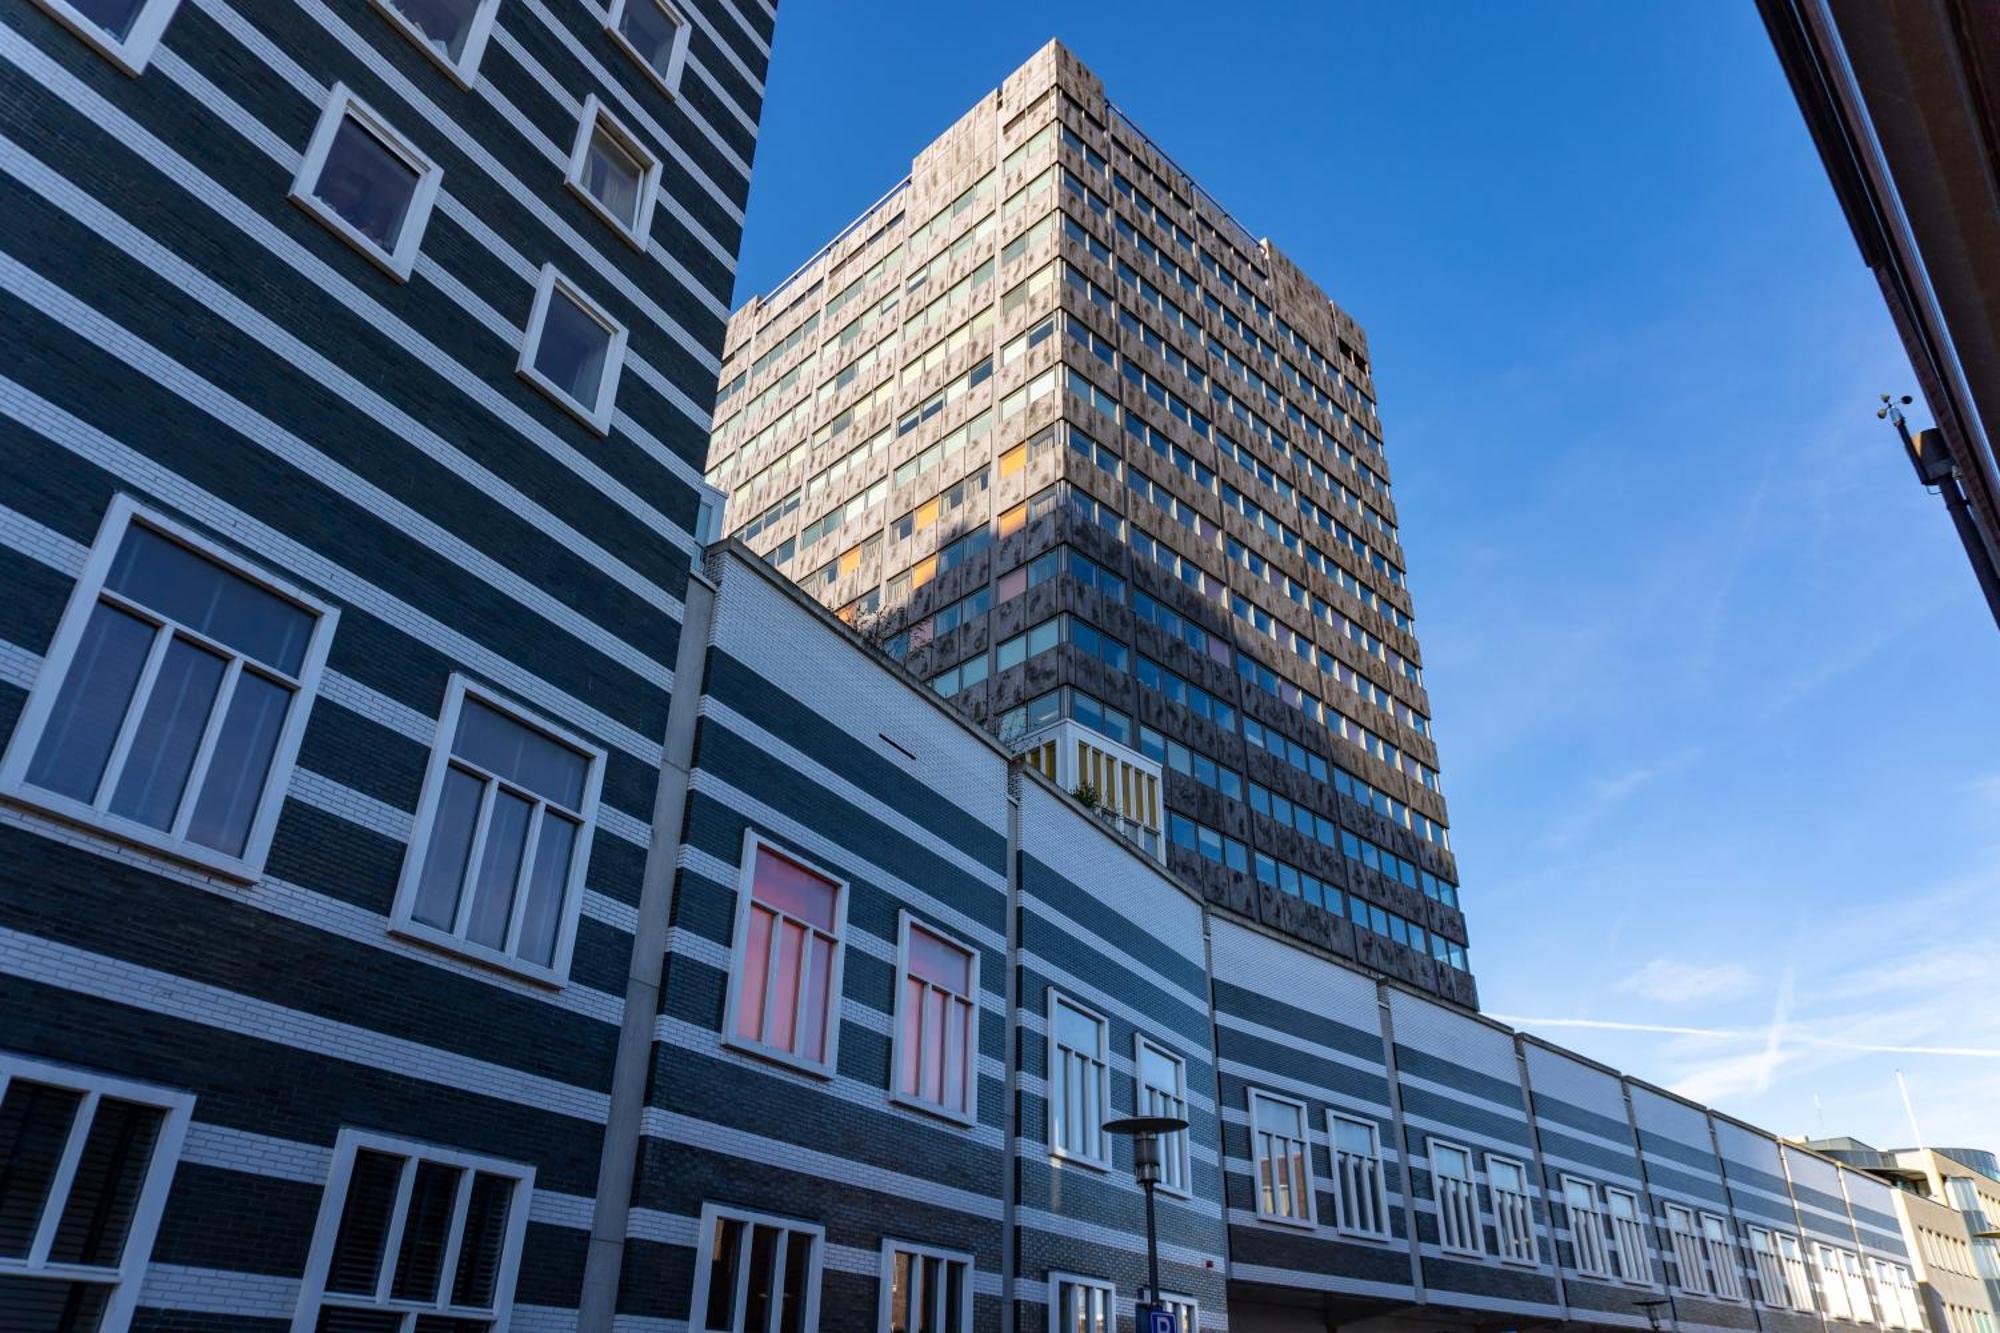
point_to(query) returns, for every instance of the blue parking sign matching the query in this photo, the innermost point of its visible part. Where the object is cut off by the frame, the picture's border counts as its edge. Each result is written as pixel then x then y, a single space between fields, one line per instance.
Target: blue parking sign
pixel 1159 1320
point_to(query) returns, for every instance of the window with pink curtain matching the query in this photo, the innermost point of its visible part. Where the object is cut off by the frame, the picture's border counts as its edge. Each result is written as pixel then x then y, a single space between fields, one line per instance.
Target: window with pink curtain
pixel 937 1043
pixel 787 957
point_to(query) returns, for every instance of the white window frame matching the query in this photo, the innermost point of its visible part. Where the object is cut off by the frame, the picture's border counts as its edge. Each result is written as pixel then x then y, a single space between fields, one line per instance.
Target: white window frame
pixel 596 113
pixel 134 51
pixel 1684 1238
pixel 1257 1131
pixel 123 513
pixel 1725 1274
pixel 670 81
pixel 313 1296
pixel 1374 1168
pixel 891 1247
pixel 124 1281
pixel 340 104
pixel 970 1115
pixel 595 415
pixel 1175 1154
pixel 1628 1238
pixel 1798 1273
pixel 1832 1282
pixel 1857 1286
pixel 401 918
pixel 1601 1246
pixel 1769 1267
pixel 1503 1230
pixel 1102 1098
pixel 1057 1323
pixel 711 1213
pixel 1470 1220
pixel 755 843
pixel 1175 1302
pixel 465 72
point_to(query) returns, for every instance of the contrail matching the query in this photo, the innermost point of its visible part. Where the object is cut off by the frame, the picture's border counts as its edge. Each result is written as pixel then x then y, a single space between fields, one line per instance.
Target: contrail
pixel 1749 1034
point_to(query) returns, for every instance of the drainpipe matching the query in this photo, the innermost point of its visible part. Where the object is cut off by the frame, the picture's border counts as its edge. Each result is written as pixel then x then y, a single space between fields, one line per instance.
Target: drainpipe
pixel 1010 1115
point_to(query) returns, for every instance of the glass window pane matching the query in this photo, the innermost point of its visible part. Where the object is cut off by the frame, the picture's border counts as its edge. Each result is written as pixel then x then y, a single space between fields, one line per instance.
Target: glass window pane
pixel 763 1262
pixel 167 577
pixel 818 1002
pixel 91 706
pixel 788 886
pixel 899 1293
pixel 105 1191
pixel 1076 1029
pixel 114 16
pixel 234 782
pixel 937 960
pixel 452 828
pixel 522 755
pixel 364 1223
pixel 798 1264
pixel 37 1305
pixel 547 880
pixel 756 972
pixel 433 1196
pixel 366 184
pixel 650 31
pixel 445 23
pixel 499 870
pixel 485 1235
pixel 573 349
pixel 156 771
pixel 613 176
pixel 35 1122
pixel 724 1254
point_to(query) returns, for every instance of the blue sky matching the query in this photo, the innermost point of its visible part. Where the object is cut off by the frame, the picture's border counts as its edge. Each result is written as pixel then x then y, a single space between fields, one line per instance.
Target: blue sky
pixel 1711 680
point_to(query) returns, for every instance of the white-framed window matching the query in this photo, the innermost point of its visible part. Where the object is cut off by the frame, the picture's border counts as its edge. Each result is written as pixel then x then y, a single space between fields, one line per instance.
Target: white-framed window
pixel 924 1289
pixel 367 183
pixel 170 705
pixel 1186 1311
pixel 1798 1281
pixel 655 34
pixel 1079 1079
pixel 1857 1288
pixel 1628 1236
pixel 1160 1078
pixel 755 1273
pixel 1910 1303
pixel 573 350
pixel 416 1236
pixel 1832 1283
pixel 1360 1187
pixel 614 173
pixel 1769 1268
pixel 937 1022
pixel 502 836
pixel 85 1165
pixel 1282 1153
pixel 1895 1295
pixel 1686 1242
pixel 452 33
pixel 1457 1198
pixel 125 32
pixel 785 977
pixel 1513 1210
pixel 1081 1304
pixel 1722 1267
pixel 1586 1227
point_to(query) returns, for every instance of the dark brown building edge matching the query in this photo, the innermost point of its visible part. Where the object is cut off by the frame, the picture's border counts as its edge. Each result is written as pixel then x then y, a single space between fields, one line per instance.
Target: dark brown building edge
pixel 1903 101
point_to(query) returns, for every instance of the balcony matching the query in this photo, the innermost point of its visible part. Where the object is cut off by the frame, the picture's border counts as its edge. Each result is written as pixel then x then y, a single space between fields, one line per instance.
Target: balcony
pixel 1123 785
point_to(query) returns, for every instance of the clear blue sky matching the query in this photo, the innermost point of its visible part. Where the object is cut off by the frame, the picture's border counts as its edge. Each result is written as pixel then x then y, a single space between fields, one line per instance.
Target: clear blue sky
pixel 1712 685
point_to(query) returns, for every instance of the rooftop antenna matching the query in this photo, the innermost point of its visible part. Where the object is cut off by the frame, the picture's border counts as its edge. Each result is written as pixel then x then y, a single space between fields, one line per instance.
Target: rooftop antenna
pixel 1910 1110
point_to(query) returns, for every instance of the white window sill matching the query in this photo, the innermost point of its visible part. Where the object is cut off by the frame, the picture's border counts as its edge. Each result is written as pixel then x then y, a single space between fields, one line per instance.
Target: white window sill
pixel 635 239
pixel 1060 1158
pixel 598 421
pixel 933 1111
pixel 144 836
pixel 457 945
pixel 773 1055
pixel 1295 1223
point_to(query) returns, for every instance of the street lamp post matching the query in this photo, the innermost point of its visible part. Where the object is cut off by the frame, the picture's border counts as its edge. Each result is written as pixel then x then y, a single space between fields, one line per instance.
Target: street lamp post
pixel 1146 1131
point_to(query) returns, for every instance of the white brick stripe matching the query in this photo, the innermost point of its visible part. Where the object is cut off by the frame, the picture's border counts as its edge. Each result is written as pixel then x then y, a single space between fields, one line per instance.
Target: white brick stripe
pixel 343 802
pixel 69 968
pixel 562 1210
pixel 609 911
pixel 134 468
pixel 1102 1000
pixel 1127 963
pixel 640 1323
pixel 756 38
pixel 1293 1042
pixel 1118 1239
pixel 541 1319
pixel 219 1291
pixel 377 707
pixel 258 1154
pixel 663 1228
pixel 731 1142
pixel 18 666
pixel 1297 1087
pixel 1297 1277
pixel 20 533
pixel 728 53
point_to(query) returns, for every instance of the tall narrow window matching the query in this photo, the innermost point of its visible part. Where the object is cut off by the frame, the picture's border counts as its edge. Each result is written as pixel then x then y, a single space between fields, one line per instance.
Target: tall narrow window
pixel 784 998
pixel 1832 1283
pixel 85 1163
pixel 414 1235
pixel 1770 1269
pixel 614 173
pixel 924 1290
pixel 1185 1310
pixel 171 703
pixel 1721 1254
pixel 1283 1158
pixel 573 351
pixel 1513 1210
pixel 1857 1288
pixel 1161 1077
pixel 654 33
pixel 125 32
pixel 755 1273
pixel 937 1023
pixel 1457 1198
pixel 1586 1227
pixel 1687 1249
pixel 372 187
pixel 1360 1195
pixel 1079 1082
pixel 452 33
pixel 1081 1305
pixel 502 836
pixel 1628 1234
pixel 1798 1281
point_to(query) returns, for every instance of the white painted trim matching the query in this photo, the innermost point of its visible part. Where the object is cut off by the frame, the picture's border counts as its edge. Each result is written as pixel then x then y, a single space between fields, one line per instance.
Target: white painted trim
pixel 333 1201
pixel 595 415
pixel 754 845
pixel 124 1281
pixel 1311 1220
pixel 1729 1243
pixel 970 1116
pixel 1607 1246
pixel 1374 1129
pixel 594 114
pixel 669 79
pixel 1528 1193
pixel 401 918
pixel 119 517
pixel 1432 1143
pixel 1641 1225
pixel 465 71
pixel 1055 1280
pixel 704 1261
pixel 1182 1140
pixel 1103 1057
pixel 341 104
pixel 890 1248
pixel 1165 1298
pixel 129 53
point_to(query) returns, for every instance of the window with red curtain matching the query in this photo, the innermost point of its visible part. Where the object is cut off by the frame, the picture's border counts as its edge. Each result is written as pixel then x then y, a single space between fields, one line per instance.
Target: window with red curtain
pixel 787 960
